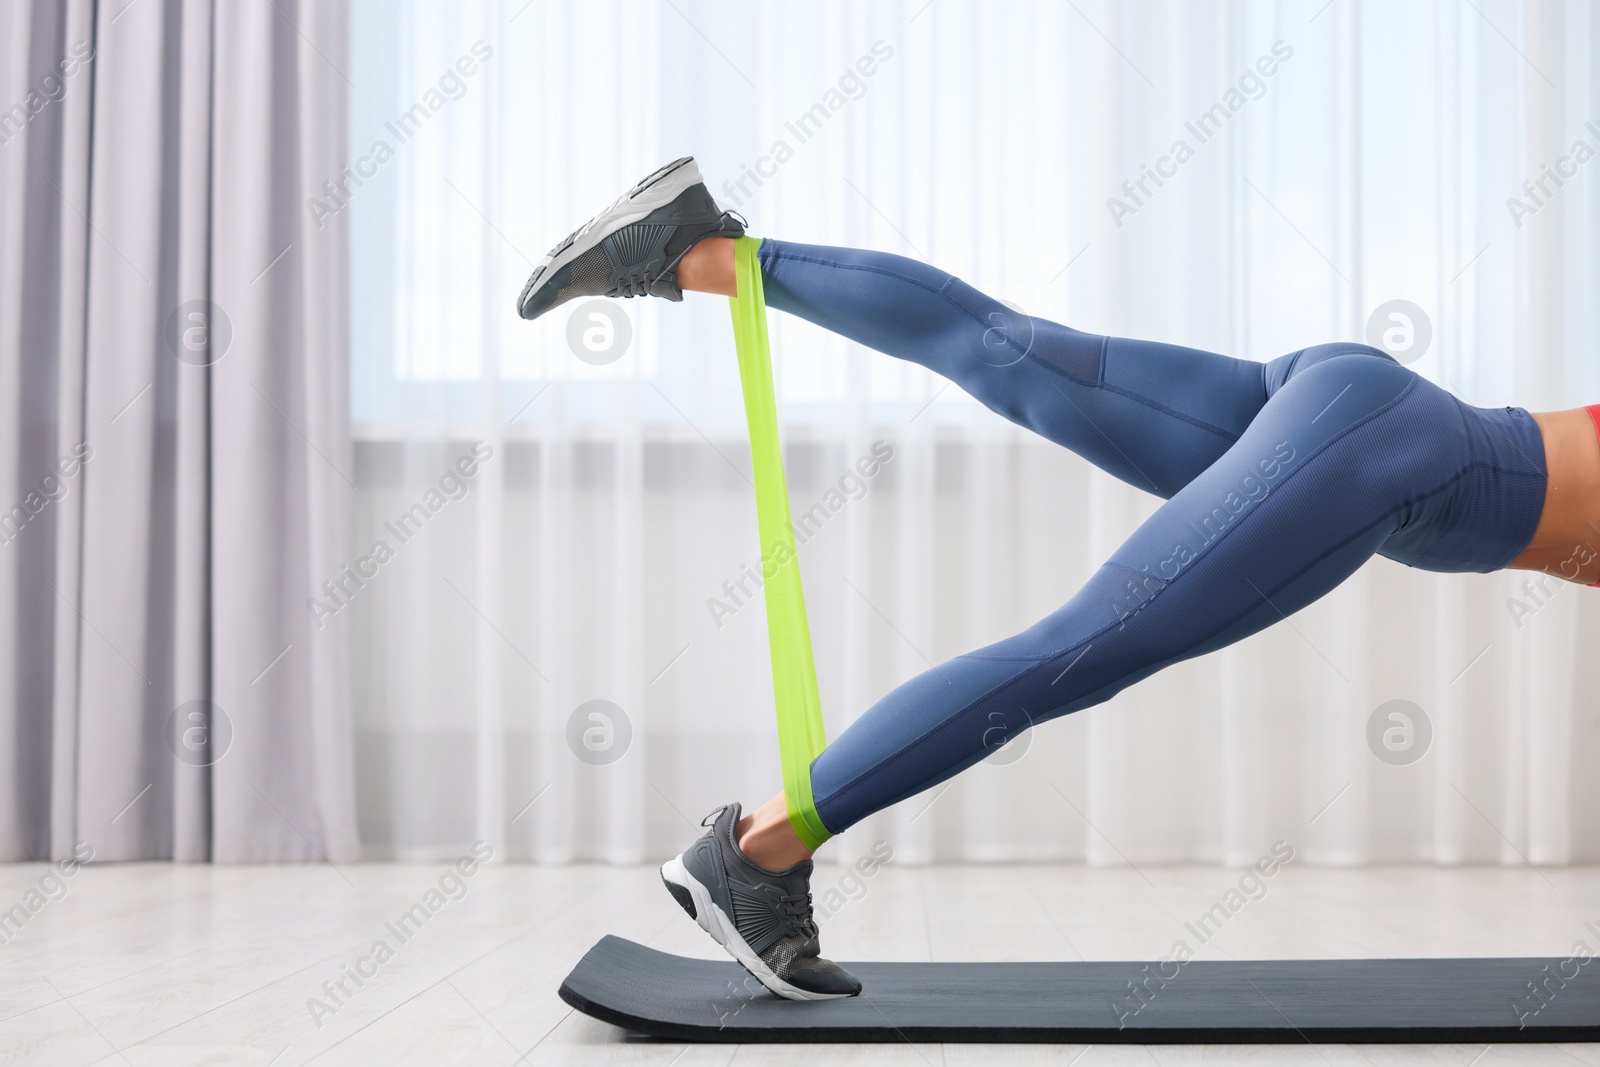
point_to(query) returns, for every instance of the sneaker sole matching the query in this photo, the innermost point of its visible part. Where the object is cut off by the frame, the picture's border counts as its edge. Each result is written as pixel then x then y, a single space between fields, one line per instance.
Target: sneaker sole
pixel 714 921
pixel 659 189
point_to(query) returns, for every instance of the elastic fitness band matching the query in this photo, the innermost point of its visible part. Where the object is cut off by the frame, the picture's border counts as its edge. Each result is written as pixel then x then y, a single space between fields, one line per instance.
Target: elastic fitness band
pixel 794 673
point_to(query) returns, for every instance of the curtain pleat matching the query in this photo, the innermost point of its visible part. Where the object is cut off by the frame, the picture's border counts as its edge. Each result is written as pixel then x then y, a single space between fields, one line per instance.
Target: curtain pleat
pixel 176 321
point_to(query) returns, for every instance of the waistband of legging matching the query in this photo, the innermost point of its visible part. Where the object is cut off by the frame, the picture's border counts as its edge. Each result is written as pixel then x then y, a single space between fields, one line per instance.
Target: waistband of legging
pixel 1516 449
pixel 1502 493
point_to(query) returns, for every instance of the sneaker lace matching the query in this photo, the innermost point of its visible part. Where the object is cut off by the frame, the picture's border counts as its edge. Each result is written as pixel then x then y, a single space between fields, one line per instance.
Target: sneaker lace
pixel 636 285
pixel 798 907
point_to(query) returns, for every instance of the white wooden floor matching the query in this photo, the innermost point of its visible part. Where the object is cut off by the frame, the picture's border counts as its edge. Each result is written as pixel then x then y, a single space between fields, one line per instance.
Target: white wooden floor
pixel 163 964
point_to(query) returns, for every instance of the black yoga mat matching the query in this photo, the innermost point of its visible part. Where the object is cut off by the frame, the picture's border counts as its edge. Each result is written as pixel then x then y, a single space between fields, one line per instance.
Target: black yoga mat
pixel 1247 1001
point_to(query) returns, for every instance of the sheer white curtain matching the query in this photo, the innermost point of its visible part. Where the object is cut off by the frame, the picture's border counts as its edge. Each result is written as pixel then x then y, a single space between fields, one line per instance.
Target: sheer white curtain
pixel 1336 157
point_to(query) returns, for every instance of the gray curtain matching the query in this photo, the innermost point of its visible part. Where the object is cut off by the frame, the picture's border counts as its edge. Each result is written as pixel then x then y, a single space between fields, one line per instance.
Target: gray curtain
pixel 174 458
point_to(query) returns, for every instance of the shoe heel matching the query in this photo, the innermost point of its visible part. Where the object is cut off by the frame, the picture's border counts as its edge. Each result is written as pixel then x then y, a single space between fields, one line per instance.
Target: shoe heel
pixel 682 895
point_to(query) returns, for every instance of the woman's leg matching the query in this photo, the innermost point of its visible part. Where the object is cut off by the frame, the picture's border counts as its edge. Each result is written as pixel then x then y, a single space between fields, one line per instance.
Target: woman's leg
pixel 1343 456
pixel 1154 415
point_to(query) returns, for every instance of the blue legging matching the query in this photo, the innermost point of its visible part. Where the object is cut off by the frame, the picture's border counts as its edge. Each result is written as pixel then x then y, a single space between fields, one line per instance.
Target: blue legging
pixel 1281 479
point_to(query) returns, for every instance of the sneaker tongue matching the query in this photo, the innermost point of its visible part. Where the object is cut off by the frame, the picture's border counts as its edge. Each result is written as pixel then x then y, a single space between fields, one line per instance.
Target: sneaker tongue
pixel 797 879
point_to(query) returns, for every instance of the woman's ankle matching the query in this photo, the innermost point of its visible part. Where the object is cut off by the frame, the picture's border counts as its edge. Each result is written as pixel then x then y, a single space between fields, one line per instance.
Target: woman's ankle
pixel 767 839
pixel 708 267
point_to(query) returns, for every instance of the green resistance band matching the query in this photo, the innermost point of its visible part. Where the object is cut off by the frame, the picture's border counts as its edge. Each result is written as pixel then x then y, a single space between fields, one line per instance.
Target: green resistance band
pixel 794 673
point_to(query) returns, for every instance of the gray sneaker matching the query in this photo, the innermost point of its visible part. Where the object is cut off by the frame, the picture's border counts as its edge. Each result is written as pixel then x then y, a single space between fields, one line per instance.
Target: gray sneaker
pixel 762 917
pixel 632 248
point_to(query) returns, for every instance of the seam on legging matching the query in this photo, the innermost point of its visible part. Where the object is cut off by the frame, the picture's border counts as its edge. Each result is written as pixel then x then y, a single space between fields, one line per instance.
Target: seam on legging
pixel 1119 391
pixel 1147 402
pixel 940 292
pixel 1155 668
pixel 1041 661
pixel 1038 664
pixel 1099 383
pixel 1239 524
pixel 1441 487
